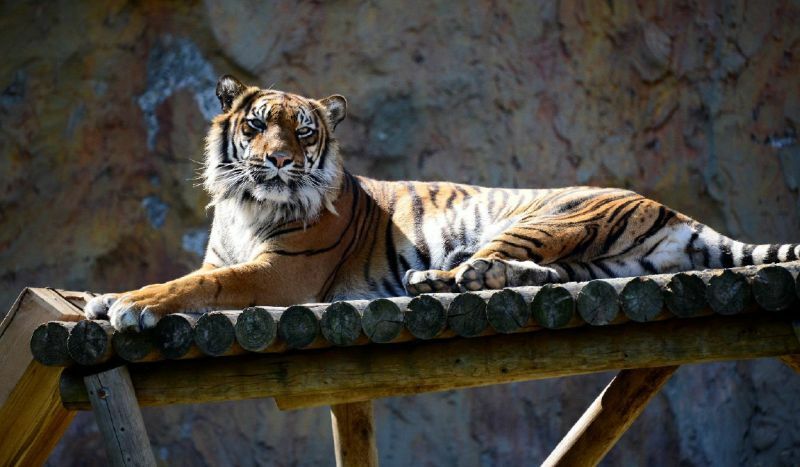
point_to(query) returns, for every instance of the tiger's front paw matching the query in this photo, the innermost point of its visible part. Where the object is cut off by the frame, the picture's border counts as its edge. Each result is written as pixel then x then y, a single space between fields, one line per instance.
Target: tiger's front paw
pixel 132 311
pixel 97 307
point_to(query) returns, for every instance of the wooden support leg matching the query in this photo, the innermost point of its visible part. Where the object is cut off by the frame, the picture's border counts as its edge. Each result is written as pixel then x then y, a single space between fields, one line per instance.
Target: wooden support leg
pixel 119 418
pixel 609 416
pixel 792 361
pixel 354 435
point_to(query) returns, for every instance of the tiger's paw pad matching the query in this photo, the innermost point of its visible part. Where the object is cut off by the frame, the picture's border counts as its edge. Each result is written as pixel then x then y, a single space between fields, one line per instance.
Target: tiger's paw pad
pixel 419 282
pixel 126 315
pixel 97 307
pixel 478 274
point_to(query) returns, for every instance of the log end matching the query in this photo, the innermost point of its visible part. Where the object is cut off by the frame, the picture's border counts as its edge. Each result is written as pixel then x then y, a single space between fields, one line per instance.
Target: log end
pixel 298 326
pixel 214 333
pixel 49 344
pixel 134 346
pixel 553 306
pixel 685 295
pixel 382 321
pixel 341 324
pixel 507 311
pixel 466 315
pixel 774 288
pixel 728 293
pixel 598 303
pixel 174 335
pixel 425 318
pixel 641 300
pixel 255 329
pixel 89 342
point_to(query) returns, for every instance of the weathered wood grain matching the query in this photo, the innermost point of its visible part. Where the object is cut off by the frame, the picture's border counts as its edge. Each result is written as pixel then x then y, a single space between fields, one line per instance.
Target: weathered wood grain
pixel 340 375
pixel 119 419
pixel 609 417
pixel 354 434
pixel 31 414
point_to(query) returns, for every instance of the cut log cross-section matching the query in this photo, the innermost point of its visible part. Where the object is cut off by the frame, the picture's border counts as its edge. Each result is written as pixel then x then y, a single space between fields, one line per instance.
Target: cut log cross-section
pixel 435 316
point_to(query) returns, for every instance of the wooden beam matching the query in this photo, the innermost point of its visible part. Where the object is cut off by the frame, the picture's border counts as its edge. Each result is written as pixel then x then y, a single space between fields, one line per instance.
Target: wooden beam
pixel 33 419
pixel 119 418
pixel 348 374
pixel 440 316
pixel 354 434
pixel 609 417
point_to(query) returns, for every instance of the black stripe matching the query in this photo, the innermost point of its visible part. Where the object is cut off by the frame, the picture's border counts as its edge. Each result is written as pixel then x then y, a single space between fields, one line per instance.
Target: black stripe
pixel 568 269
pixel 587 240
pixel 247 101
pixel 725 254
pixel 391 253
pixel 368 263
pixel 772 254
pixel 361 225
pixel 530 253
pixel 619 209
pixel 433 190
pixel 747 255
pixel 648 266
pixel 791 255
pixel 690 248
pixel 223 150
pixel 316 251
pixel 589 270
pixel 463 192
pixel 618 229
pixel 404 264
pixel 418 212
pixel 664 216
pixel 606 270
pixel 536 242
pixel 450 199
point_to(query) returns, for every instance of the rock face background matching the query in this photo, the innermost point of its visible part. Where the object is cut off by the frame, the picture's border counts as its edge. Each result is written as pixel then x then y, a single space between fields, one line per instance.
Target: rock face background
pixel 697 104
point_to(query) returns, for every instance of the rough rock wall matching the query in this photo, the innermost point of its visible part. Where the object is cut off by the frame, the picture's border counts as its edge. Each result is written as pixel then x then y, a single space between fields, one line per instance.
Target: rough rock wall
pixel 697 104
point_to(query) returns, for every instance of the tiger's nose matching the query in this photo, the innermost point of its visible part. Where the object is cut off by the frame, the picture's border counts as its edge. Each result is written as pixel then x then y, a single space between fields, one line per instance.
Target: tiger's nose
pixel 279 159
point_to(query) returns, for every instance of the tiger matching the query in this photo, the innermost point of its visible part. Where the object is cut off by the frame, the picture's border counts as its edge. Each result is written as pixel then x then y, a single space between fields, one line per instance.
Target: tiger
pixel 291 225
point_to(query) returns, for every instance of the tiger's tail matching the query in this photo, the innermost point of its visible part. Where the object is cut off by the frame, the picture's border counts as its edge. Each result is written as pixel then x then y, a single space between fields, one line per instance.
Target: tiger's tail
pixel 711 249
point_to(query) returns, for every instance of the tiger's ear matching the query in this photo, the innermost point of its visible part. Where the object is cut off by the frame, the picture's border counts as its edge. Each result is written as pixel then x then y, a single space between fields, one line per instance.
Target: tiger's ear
pixel 228 88
pixel 335 108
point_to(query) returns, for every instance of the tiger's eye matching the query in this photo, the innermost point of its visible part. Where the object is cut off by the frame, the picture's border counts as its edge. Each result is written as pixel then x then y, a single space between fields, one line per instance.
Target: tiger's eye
pixel 305 132
pixel 256 124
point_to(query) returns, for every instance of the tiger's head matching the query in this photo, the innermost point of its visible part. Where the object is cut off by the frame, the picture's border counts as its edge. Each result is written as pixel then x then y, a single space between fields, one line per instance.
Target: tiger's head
pixel 274 149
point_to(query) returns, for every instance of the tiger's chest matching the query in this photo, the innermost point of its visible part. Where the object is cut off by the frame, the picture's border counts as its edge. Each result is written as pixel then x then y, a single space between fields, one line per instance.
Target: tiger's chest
pixel 236 236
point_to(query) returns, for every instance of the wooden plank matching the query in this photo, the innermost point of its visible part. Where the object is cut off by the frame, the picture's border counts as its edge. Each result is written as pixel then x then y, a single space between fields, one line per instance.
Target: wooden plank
pixel 354 435
pixel 32 417
pixel 119 418
pixel 609 417
pixel 341 375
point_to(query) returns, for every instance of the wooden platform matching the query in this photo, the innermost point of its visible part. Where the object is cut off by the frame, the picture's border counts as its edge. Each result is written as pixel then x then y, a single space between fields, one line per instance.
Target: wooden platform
pixel 345 354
